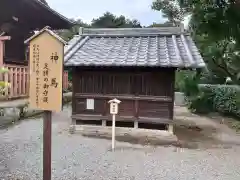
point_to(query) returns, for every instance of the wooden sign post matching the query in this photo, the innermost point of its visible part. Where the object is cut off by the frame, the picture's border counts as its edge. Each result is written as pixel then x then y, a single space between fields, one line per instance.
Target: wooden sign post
pixel 45 92
pixel 114 111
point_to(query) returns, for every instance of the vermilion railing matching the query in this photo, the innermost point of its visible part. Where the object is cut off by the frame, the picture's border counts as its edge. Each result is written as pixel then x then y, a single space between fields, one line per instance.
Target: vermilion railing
pixel 18 77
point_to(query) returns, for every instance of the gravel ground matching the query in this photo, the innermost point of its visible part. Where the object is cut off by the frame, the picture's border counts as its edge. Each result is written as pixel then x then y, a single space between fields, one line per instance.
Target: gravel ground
pixel 76 157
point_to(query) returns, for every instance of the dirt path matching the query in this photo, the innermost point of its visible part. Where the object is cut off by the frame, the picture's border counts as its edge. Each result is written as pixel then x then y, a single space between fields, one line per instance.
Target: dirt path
pixel 201 131
pixel 77 157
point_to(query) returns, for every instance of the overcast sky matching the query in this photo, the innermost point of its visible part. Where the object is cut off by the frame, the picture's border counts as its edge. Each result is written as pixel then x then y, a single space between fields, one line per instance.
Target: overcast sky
pixel 89 9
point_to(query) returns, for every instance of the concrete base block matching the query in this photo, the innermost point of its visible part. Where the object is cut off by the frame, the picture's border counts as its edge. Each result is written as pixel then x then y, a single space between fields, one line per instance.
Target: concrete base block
pixel 135 124
pixel 72 129
pixel 170 128
pixel 73 122
pixel 104 123
pixel 179 99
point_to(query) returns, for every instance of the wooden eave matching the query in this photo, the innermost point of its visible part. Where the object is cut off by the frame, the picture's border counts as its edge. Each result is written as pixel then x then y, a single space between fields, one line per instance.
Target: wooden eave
pixel 33 14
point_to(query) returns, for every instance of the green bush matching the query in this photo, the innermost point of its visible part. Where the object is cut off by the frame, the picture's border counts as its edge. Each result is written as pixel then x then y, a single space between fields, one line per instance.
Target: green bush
pixel 204 98
pixel 181 75
pixel 198 101
pixel 190 87
pixel 227 100
pixel 224 99
pixel 201 102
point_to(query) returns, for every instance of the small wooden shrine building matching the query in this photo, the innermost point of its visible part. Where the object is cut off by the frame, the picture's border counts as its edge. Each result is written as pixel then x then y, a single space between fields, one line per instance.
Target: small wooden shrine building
pixel 136 66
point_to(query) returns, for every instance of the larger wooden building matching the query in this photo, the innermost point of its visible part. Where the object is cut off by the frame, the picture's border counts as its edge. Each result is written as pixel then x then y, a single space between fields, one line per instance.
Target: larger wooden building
pixel 18 20
pixel 136 66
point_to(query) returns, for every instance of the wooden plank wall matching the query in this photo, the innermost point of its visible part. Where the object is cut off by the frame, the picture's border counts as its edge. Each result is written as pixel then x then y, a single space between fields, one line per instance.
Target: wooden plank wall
pixel 144 93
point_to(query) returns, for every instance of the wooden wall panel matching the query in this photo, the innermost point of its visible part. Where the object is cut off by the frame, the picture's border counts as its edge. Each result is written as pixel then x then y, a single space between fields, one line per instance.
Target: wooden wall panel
pixel 154 109
pixel 144 93
pixel 126 82
pixel 126 108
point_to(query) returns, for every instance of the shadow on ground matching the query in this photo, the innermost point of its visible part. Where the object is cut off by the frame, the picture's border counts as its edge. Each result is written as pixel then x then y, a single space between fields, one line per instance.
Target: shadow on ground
pixel 196 137
pixel 188 136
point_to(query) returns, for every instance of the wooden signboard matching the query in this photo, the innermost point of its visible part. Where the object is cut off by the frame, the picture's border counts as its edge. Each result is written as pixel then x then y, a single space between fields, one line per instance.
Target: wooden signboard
pixel 45 93
pixel 46 71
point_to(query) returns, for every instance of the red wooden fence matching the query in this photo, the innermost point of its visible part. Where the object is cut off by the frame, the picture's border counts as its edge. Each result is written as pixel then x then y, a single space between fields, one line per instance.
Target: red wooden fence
pixel 18 77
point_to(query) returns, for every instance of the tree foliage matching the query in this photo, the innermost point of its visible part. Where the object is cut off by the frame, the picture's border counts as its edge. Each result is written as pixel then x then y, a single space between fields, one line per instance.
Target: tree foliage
pixel 170 9
pixel 107 20
pixel 68 34
pixel 221 16
pixel 166 24
pixel 215 27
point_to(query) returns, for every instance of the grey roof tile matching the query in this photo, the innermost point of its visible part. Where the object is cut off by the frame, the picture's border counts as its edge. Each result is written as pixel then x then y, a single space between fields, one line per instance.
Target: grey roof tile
pixel 166 50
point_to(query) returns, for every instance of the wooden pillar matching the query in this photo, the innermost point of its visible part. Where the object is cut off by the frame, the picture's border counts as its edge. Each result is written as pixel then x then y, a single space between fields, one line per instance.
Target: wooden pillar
pixel 11 81
pixel 15 83
pixel 20 72
pixel 1 53
pixel 136 114
pixel 74 89
pixel 2 39
pixel 24 81
pixel 172 95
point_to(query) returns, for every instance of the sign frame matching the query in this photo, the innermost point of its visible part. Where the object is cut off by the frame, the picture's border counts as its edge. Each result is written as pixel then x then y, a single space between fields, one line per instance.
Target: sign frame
pixel 40 98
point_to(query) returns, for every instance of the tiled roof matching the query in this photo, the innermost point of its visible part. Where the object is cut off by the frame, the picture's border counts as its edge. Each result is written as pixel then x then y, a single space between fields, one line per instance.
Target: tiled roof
pixel 133 47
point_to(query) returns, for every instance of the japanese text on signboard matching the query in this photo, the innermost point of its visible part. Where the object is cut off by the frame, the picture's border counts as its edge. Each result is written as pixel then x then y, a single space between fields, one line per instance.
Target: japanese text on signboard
pixel 46 71
pixel 49 82
pixel 36 69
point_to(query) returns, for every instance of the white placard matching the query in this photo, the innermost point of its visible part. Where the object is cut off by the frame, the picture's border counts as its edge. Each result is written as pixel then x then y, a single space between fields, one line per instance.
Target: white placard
pixel 90 104
pixel 113 108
